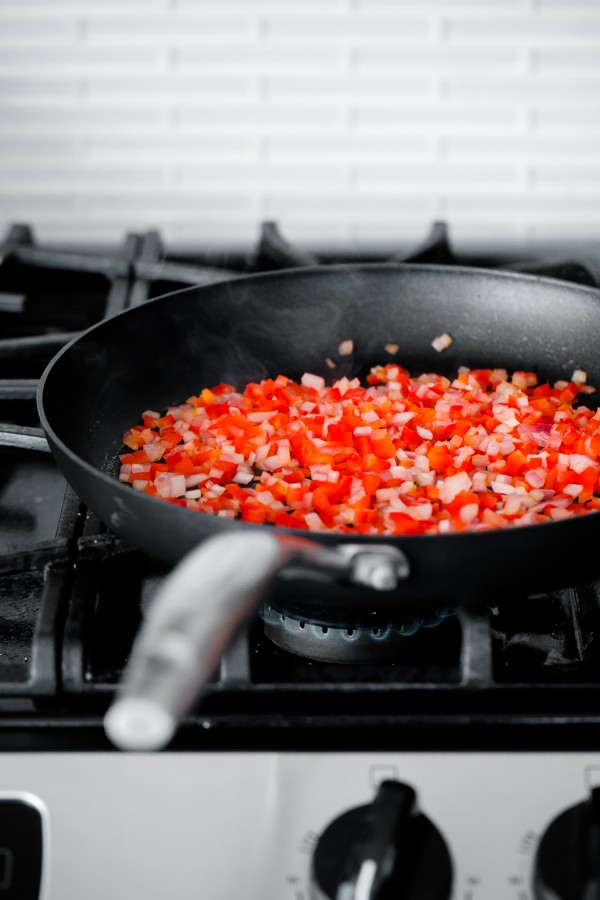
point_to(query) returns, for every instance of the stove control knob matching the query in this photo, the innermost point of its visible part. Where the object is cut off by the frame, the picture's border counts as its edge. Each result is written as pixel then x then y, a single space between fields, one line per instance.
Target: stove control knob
pixel 386 849
pixel 567 865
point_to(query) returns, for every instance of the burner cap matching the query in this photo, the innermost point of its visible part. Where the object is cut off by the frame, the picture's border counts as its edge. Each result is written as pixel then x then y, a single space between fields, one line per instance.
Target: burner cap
pixel 339 644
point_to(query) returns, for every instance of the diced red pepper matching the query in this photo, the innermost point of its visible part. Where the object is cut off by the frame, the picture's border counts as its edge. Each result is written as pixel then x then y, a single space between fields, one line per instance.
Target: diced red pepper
pixel 348 458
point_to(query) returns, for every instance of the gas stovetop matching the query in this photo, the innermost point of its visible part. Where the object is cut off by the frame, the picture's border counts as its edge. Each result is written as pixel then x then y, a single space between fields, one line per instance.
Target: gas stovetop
pixel 450 757
pixel 74 594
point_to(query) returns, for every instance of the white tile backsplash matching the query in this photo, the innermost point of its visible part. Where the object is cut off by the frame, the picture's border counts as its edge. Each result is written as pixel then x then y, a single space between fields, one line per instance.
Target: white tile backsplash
pixel 354 123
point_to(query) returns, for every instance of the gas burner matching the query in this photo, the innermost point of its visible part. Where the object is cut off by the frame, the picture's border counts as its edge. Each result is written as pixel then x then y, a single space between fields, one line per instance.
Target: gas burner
pixel 345 644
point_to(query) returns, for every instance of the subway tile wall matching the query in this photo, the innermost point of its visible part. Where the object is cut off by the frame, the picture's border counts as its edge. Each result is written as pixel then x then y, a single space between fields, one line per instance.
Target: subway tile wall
pixel 353 123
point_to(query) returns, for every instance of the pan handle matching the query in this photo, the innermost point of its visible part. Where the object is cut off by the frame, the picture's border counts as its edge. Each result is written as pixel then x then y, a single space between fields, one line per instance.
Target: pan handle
pixel 200 608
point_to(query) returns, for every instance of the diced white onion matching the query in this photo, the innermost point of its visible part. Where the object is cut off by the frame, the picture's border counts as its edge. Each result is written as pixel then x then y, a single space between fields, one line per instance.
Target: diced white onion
pixel 441 342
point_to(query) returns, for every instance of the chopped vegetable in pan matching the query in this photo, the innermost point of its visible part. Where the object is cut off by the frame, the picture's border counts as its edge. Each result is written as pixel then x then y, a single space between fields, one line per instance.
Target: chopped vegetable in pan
pixel 403 455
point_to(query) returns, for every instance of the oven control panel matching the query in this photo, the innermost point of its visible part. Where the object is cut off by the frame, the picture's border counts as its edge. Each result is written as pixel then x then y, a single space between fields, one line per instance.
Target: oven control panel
pixel 499 827
pixel 303 826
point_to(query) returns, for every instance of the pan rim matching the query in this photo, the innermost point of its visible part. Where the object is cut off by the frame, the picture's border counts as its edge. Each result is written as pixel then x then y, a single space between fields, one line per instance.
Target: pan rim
pixel 470 271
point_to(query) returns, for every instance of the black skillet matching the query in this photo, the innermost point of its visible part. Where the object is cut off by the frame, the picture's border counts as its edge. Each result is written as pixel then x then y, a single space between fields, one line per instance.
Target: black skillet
pixel 291 322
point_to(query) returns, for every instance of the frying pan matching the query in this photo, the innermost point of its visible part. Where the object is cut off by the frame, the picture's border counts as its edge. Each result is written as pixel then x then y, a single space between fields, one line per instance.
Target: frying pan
pixel 290 322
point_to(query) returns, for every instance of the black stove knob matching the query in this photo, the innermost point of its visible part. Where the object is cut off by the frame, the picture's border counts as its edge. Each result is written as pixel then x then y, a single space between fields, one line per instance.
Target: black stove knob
pixel 386 849
pixel 567 865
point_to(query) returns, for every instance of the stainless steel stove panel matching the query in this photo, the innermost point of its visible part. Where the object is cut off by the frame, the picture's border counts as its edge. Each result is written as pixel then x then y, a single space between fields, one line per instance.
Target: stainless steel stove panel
pixel 223 826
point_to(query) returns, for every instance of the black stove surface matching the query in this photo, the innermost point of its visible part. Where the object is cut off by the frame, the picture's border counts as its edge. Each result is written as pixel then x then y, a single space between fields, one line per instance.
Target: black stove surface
pixel 72 595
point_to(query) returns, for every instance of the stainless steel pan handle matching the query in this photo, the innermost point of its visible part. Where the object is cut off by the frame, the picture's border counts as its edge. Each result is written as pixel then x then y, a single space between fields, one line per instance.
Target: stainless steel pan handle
pixel 200 608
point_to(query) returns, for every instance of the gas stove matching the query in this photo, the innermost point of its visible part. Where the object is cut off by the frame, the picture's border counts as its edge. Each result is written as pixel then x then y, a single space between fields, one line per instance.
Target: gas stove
pixel 318 755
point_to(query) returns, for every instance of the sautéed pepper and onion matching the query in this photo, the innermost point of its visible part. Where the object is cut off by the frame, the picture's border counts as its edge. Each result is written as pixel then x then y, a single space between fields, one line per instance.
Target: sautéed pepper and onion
pixel 399 455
